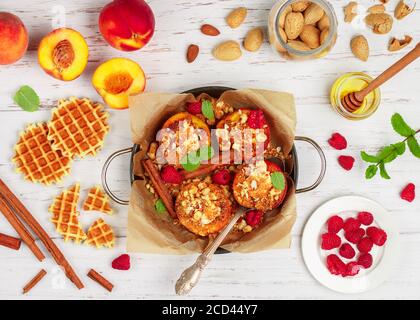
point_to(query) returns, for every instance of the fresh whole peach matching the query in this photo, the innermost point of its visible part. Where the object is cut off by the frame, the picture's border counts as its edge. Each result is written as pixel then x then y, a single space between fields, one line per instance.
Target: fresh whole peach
pixel 13 38
pixel 127 25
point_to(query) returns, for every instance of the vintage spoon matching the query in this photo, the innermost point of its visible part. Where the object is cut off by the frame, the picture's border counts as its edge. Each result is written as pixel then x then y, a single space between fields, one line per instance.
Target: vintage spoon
pixel 352 101
pixel 190 277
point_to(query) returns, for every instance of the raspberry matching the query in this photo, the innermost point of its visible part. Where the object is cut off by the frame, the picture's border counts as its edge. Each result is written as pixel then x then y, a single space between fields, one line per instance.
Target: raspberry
pixel 194 107
pixel 335 224
pixel 351 224
pixel 352 268
pixel 170 175
pixel 409 192
pixel 337 141
pixel 256 119
pixel 122 262
pixel 335 265
pixel 330 241
pixel 346 162
pixel 347 251
pixel 222 177
pixel 354 236
pixel 253 217
pixel 365 245
pixel 365 260
pixel 365 218
pixel 378 236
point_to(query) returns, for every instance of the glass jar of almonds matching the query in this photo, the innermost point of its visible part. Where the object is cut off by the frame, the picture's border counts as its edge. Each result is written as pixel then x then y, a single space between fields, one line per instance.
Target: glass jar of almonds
pixel 302 29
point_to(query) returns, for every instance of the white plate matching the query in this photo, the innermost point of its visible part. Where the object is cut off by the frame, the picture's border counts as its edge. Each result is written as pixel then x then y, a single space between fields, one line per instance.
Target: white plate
pixel 383 257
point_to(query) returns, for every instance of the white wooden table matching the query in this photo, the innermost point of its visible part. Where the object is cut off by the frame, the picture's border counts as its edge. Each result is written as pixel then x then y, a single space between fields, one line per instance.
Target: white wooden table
pixel 274 274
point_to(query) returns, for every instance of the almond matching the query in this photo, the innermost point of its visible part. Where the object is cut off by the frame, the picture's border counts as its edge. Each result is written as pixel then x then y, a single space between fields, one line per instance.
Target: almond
pixel 313 13
pixel 236 17
pixel 283 14
pixel 397 44
pixel 324 35
pixel 209 30
pixel 254 39
pixel 402 10
pixel 360 47
pixel 192 53
pixel 283 36
pixel 227 51
pixel 380 23
pixel 324 22
pixel 298 45
pixel 300 6
pixel 310 36
pixel 293 25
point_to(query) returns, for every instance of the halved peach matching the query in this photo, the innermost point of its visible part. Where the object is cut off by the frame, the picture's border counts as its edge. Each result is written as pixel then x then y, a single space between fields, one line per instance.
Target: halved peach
pixel 117 79
pixel 196 122
pixel 63 54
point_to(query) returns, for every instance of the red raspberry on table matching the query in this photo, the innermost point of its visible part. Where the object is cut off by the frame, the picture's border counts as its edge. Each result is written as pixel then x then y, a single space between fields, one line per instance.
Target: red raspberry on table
pixel 351 224
pixel 352 268
pixel 346 251
pixel 122 262
pixel 346 162
pixel 254 217
pixel 365 218
pixel 354 236
pixel 365 260
pixel 194 107
pixel 170 175
pixel 378 236
pixel 335 265
pixel 330 241
pixel 335 224
pixel 256 119
pixel 222 177
pixel 365 245
pixel 409 192
pixel 337 141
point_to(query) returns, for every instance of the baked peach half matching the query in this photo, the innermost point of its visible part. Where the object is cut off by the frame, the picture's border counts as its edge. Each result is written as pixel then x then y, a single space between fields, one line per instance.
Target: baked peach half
pixel 118 78
pixel 174 121
pixel 255 187
pixel 63 54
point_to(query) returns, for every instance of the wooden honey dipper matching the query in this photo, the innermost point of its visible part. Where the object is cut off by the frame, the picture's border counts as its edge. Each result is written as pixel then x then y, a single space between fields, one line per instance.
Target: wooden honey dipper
pixel 353 101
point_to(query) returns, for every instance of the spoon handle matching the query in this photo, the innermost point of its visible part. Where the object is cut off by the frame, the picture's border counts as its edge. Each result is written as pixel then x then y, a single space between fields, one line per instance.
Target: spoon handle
pixel 190 277
pixel 390 72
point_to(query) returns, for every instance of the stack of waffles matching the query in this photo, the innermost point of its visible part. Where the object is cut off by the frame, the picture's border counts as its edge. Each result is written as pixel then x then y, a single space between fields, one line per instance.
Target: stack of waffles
pixel 44 151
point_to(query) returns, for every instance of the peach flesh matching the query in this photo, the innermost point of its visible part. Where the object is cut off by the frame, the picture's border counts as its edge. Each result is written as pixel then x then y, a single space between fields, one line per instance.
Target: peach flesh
pixel 118 82
pixel 13 38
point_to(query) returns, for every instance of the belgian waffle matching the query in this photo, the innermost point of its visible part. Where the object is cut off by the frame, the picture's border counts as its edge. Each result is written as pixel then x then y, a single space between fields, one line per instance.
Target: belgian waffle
pixel 36 159
pixel 65 215
pixel 97 200
pixel 100 234
pixel 78 127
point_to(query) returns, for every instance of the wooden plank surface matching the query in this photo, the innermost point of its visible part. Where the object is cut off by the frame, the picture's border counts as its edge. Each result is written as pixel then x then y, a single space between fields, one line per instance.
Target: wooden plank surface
pixel 273 274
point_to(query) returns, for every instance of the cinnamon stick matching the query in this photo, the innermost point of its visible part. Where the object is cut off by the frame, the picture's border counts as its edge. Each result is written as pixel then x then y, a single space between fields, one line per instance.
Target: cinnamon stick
pixel 201 171
pixel 26 216
pixel 34 281
pixel 95 276
pixel 10 242
pixel 159 186
pixel 20 228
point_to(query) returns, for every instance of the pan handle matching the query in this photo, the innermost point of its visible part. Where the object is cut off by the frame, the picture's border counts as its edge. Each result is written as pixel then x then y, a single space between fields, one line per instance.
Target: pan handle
pixel 105 171
pixel 323 164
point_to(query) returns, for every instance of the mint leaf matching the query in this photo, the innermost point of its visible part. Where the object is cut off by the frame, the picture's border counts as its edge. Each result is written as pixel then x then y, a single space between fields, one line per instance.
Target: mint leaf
pixel 278 181
pixel 388 154
pixel 369 158
pixel 414 147
pixel 191 162
pixel 399 147
pixel 207 109
pixel 383 172
pixel 160 206
pixel 371 171
pixel 205 153
pixel 27 99
pixel 400 126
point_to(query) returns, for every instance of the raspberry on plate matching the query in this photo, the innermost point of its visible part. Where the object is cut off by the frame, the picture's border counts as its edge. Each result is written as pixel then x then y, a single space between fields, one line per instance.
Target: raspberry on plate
pixel 335 224
pixel 347 251
pixel 352 268
pixel 365 260
pixel 335 265
pixel 355 235
pixel 365 245
pixel 330 241
pixel 378 236
pixel 365 218
pixel 351 224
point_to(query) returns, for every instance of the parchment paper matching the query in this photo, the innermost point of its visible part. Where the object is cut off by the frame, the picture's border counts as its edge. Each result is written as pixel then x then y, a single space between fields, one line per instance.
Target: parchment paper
pixel 151 232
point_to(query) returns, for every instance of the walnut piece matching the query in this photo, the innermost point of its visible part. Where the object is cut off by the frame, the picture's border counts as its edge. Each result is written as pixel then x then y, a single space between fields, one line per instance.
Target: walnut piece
pixel 381 23
pixel 350 11
pixel 402 10
pixel 397 44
